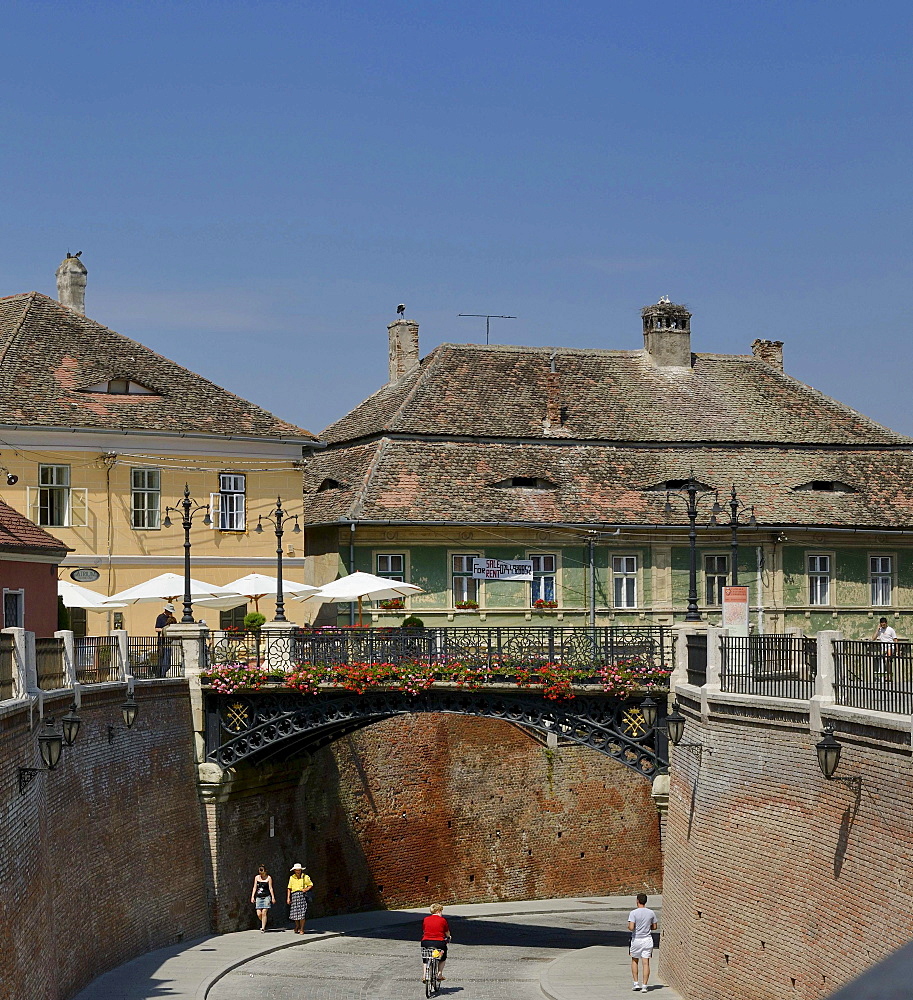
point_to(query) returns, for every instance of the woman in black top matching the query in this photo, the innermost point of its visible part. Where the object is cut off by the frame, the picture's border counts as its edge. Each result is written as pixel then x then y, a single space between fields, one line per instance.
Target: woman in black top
pixel 262 895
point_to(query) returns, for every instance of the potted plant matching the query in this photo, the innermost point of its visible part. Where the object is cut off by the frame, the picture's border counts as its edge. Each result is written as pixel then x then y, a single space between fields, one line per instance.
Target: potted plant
pixel 466 605
pixel 543 605
pixel 392 604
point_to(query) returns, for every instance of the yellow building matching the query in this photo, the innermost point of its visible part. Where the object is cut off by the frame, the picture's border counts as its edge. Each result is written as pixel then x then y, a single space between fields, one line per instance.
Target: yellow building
pixel 98 436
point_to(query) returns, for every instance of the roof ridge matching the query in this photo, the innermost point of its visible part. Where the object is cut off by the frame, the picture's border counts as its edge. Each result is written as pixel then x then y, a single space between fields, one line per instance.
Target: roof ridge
pixel 30 297
pixel 359 499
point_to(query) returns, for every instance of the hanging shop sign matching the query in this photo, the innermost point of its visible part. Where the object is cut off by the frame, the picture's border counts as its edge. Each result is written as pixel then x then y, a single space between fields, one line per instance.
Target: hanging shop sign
pixel 84 574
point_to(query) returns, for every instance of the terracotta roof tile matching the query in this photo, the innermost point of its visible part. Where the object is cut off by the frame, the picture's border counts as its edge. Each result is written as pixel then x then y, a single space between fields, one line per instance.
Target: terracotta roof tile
pixel 19 534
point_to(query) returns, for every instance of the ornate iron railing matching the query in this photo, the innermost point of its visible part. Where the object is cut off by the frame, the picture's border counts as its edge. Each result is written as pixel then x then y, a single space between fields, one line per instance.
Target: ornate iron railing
pixel 150 657
pixel 96 659
pixel 778 666
pixel 49 654
pixel 874 675
pixel 7 671
pixel 507 647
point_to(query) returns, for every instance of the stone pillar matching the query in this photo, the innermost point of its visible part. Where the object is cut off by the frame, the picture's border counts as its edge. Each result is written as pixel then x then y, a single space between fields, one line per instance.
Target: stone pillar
pixel 123 657
pixel 277 636
pixel 25 668
pixel 659 791
pixel 69 657
pixel 714 664
pixel 824 680
pixel 403 347
pixel 679 673
pixel 193 639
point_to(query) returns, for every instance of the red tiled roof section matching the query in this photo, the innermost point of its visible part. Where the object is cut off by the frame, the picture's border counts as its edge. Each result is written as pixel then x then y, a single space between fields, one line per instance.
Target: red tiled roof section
pixel 49 352
pixel 498 391
pixel 420 481
pixel 19 534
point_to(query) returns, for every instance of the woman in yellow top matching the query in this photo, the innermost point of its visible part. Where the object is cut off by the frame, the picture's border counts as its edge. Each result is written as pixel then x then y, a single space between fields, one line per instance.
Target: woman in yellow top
pixel 298 884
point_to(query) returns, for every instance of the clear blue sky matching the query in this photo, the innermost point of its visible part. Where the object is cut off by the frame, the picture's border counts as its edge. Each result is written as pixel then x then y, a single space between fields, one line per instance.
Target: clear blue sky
pixel 256 186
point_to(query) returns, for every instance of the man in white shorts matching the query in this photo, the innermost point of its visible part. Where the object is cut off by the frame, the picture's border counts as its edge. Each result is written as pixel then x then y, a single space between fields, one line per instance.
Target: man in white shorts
pixel 641 923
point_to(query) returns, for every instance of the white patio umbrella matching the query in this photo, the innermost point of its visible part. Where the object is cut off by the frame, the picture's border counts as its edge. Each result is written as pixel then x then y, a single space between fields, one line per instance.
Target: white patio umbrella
pixel 357 586
pixel 75 596
pixel 167 587
pixel 254 587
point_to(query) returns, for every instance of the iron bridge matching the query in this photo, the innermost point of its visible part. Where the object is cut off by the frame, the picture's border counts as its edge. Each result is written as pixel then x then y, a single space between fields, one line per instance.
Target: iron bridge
pixel 259 726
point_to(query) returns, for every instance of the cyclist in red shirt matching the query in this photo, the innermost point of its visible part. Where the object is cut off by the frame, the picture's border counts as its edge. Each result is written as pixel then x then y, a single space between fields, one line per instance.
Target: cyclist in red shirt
pixel 435 934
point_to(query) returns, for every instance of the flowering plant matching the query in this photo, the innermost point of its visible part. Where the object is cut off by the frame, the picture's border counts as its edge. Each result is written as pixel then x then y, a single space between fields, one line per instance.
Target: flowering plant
pixel 226 678
pixel 466 605
pixel 625 676
pixel 393 604
pixel 555 680
pixel 541 605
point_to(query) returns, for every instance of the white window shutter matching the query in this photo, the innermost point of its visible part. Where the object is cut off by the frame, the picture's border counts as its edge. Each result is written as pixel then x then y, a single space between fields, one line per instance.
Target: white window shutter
pixel 79 507
pixel 215 512
pixel 32 503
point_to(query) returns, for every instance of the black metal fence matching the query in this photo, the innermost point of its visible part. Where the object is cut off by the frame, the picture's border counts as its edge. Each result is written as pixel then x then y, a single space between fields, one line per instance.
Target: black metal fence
pixel 97 659
pixel 150 657
pixel 696 647
pixel 7 667
pixel 49 653
pixel 778 666
pixel 572 646
pixel 874 675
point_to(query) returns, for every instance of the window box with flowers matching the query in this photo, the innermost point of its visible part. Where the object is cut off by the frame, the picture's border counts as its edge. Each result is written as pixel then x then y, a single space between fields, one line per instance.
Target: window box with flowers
pixel 543 605
pixel 392 604
pixel 467 605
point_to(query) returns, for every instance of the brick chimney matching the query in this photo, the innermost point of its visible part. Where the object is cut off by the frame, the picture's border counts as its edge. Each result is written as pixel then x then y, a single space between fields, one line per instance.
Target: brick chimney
pixel 667 334
pixel 403 347
pixel 71 284
pixel 770 352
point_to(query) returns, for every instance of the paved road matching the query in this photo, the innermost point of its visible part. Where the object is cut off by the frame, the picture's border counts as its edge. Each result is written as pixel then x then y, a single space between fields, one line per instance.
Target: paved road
pixel 491 957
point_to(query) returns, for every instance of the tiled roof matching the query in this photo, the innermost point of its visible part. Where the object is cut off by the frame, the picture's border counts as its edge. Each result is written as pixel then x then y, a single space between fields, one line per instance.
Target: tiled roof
pixel 421 481
pixel 19 534
pixel 503 392
pixel 48 353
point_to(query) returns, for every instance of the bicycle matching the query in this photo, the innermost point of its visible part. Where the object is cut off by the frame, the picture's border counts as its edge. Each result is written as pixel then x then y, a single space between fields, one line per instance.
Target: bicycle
pixel 432 957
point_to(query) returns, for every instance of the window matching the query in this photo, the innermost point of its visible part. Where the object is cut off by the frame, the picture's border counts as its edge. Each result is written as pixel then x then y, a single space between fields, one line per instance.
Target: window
pixel 229 503
pixel 391 566
pixel 819 580
pixel 233 617
pixel 464 587
pixel 14 609
pixel 543 586
pixel 716 576
pixel 624 581
pixel 121 387
pixel 54 503
pixel 880 578
pixel 146 485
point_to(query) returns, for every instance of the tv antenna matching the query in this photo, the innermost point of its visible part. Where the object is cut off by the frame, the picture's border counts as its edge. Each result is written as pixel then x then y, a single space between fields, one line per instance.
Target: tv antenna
pixel 488 317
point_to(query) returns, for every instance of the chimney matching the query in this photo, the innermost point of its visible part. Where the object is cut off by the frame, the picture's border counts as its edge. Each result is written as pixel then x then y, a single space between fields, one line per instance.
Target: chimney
pixel 770 352
pixel 667 334
pixel 403 347
pixel 71 283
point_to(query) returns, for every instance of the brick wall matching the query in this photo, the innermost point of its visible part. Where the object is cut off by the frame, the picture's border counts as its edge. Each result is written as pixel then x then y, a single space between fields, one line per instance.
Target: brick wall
pixel 102 859
pixel 439 806
pixel 779 883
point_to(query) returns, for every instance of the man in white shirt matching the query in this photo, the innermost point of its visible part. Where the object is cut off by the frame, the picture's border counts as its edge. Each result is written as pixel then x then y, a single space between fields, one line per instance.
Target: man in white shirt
pixel 641 924
pixel 887 637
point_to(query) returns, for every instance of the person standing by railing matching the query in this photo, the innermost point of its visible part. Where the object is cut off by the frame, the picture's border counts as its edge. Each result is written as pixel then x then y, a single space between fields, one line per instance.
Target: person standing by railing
pixel 165 619
pixel 885 635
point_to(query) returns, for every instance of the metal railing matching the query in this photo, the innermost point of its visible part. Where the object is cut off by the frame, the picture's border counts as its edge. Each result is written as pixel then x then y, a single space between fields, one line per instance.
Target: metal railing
pixel 778 666
pixel 7 667
pixel 874 675
pixel 572 646
pixel 49 653
pixel 696 648
pixel 150 657
pixel 96 659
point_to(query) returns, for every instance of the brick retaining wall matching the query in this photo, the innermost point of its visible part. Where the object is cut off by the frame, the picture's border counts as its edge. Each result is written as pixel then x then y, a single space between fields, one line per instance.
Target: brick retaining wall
pixel 442 806
pixel 102 859
pixel 779 883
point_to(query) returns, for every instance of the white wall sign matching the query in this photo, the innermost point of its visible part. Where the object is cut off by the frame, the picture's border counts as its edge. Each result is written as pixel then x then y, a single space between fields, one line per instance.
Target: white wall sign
pixel 735 610
pixel 502 569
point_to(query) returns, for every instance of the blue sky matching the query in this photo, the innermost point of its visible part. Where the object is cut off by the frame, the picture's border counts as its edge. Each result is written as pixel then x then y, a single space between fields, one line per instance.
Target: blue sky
pixel 255 187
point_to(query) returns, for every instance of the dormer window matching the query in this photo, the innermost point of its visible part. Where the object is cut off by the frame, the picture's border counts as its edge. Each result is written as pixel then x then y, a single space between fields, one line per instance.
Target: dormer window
pixel 121 387
pixel 331 484
pixel 826 486
pixel 525 483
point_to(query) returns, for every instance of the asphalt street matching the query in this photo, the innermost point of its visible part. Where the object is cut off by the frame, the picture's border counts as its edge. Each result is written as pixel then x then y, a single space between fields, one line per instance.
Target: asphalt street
pixel 490 957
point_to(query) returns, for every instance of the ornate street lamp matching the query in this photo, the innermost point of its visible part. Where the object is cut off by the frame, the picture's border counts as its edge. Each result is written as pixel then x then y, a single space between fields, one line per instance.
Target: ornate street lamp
pixel 50 743
pixel 278 518
pixel 188 508
pixel 128 711
pixel 737 511
pixel 70 725
pixel 689 492
pixel 828 751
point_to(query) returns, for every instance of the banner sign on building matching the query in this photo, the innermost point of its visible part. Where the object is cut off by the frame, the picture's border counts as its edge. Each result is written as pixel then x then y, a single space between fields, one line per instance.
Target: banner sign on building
pixel 735 610
pixel 502 569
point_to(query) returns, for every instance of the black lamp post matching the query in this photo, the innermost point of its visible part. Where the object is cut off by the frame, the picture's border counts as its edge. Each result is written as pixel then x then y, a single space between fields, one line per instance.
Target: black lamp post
pixel 689 492
pixel 278 518
pixel 189 508
pixel 737 511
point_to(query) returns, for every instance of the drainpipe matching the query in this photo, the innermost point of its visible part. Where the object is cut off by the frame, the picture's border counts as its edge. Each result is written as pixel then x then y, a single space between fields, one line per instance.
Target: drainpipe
pixel 351 566
pixel 759 555
pixel 592 548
